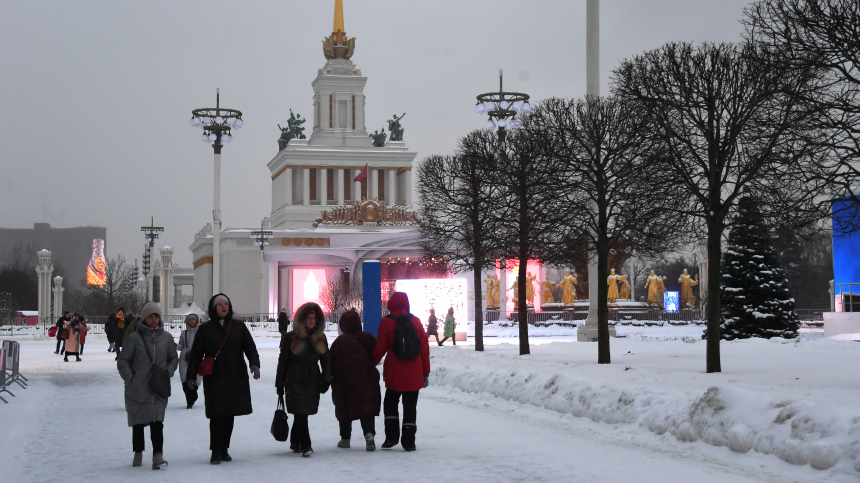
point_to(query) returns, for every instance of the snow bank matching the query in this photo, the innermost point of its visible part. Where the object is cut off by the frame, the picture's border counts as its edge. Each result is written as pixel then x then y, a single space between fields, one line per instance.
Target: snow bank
pixel 796 429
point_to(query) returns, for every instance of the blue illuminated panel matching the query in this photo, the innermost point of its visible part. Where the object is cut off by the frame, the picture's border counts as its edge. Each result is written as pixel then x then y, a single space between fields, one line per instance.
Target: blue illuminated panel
pixel 671 301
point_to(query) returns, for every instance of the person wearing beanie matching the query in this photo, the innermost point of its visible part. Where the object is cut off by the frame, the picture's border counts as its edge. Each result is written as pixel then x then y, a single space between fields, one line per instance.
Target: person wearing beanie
pixel 355 380
pixel 227 391
pixel 150 345
pixel 304 372
pixel 186 340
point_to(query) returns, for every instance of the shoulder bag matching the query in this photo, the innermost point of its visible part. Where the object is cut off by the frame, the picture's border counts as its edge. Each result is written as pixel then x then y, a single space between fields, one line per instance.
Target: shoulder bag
pixel 280 427
pixel 208 363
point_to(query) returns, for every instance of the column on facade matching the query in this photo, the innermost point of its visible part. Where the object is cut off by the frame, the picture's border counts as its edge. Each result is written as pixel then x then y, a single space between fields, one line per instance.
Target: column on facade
pixel 339 186
pixel 177 295
pixel 391 186
pixel 324 185
pixel 374 183
pixel 44 271
pixel 275 193
pixel 306 185
pixel 166 280
pixel 58 297
pixel 288 184
pixel 356 194
pixel 407 186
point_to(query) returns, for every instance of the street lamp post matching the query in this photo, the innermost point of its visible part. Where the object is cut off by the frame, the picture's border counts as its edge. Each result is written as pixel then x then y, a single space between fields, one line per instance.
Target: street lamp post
pixel 502 109
pixel 150 233
pixel 216 124
pixel 261 238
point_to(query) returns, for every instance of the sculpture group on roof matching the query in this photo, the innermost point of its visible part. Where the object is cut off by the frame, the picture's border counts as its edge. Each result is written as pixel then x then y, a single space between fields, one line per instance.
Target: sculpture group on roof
pixel 294 130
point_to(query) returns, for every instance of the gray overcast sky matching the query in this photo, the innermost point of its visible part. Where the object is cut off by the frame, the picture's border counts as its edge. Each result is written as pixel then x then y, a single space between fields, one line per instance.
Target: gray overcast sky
pixel 95 95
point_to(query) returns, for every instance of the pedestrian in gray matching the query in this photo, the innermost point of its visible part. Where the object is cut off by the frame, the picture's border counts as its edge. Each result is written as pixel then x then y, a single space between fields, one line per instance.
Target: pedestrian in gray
pixel 186 340
pixel 148 346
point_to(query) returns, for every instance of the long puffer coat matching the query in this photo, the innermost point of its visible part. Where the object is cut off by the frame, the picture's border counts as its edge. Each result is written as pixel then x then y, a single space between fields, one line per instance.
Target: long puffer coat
pixel 186 340
pixel 304 363
pixel 73 343
pixel 354 377
pixel 401 375
pixel 227 390
pixel 135 368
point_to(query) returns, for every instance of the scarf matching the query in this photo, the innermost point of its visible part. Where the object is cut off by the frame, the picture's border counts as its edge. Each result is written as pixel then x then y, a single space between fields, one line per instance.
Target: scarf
pixel 121 319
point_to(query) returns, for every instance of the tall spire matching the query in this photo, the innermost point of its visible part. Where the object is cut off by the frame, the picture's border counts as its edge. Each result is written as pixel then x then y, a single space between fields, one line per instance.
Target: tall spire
pixel 338 16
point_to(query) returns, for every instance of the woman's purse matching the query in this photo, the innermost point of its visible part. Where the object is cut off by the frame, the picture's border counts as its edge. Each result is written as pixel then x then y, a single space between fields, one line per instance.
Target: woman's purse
pixel 280 427
pixel 208 363
pixel 159 380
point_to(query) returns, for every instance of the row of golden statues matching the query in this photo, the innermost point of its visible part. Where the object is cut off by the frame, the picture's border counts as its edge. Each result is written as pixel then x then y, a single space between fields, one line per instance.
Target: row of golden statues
pixel 619 288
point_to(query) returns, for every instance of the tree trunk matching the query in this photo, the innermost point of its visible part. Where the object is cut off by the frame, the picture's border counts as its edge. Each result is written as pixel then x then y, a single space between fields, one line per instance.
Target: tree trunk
pixel 479 314
pixel 522 312
pixel 715 234
pixel 603 356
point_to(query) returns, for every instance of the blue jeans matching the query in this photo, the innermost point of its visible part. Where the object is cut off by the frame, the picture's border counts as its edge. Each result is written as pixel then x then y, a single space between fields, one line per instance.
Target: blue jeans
pixel 111 347
pixel 61 346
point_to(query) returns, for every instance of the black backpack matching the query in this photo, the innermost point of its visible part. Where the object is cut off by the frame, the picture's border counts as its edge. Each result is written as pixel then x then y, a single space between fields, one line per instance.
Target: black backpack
pixel 406 345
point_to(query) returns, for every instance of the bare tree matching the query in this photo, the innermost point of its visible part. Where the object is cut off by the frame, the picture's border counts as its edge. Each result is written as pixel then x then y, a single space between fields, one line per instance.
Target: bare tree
pixel 730 119
pixel 615 195
pixel 459 205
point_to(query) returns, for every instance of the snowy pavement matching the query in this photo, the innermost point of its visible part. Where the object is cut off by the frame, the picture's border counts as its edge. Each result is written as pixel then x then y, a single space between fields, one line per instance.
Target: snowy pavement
pixel 70 425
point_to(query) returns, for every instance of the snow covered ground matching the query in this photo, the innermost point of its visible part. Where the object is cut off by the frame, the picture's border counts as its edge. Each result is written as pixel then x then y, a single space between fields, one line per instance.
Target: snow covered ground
pixel 555 415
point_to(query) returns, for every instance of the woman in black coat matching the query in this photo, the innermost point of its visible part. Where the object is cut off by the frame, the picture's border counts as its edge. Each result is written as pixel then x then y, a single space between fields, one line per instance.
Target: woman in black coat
pixel 227 391
pixel 354 380
pixel 304 372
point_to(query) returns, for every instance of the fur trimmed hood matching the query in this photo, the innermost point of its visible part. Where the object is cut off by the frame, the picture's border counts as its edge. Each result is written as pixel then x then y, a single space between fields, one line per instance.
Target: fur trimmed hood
pixel 300 331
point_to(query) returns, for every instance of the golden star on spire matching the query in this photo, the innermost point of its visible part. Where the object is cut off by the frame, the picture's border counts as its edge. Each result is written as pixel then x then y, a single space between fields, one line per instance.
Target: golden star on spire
pixel 338 46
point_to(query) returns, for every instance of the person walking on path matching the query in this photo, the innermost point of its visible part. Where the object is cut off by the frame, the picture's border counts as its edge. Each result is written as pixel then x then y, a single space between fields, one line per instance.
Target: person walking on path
pixel 119 331
pixel 433 326
pixel 449 327
pixel 73 341
pixel 150 346
pixel 403 377
pixel 110 331
pixel 283 322
pixel 61 322
pixel 304 372
pixel 227 390
pixel 83 333
pixel 354 380
pixel 186 340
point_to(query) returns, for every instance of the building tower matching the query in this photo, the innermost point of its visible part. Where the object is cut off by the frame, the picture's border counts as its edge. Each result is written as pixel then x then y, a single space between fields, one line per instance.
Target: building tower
pixel 166 280
pixel 58 297
pixel 44 271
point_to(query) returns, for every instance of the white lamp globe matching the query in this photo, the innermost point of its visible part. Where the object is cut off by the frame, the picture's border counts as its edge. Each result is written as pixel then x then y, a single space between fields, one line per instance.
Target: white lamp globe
pixel 239 124
pixel 505 104
pixel 206 120
pixel 213 137
pixel 518 105
pixel 502 123
pixel 490 106
pixel 228 138
pixel 204 138
pixel 480 108
pixel 491 125
pixel 527 107
pixel 193 122
pixel 230 121
pixel 219 120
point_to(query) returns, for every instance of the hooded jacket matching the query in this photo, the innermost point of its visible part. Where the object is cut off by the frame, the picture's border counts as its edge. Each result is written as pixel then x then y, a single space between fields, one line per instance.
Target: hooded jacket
pixel 354 377
pixel 304 363
pixel 186 340
pixel 400 375
pixel 227 390
pixel 135 367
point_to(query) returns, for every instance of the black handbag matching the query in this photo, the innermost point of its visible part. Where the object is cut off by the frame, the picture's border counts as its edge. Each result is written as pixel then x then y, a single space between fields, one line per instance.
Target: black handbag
pixel 159 379
pixel 280 427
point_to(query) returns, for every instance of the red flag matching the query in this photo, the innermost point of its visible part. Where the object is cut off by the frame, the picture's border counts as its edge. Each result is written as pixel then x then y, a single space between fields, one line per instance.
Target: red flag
pixel 362 176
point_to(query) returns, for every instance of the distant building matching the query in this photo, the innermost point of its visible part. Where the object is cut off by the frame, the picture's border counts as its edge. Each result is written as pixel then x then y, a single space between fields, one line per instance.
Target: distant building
pixel 71 248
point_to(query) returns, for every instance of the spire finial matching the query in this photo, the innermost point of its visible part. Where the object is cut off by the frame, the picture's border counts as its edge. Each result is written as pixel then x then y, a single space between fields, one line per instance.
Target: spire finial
pixel 338 16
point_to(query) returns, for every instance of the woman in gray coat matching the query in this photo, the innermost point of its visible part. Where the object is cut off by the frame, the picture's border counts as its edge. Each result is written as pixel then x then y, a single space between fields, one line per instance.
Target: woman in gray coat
pixel 186 340
pixel 149 345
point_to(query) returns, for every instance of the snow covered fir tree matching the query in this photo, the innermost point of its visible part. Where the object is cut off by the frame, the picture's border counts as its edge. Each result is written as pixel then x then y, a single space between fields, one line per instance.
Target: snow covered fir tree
pixel 754 291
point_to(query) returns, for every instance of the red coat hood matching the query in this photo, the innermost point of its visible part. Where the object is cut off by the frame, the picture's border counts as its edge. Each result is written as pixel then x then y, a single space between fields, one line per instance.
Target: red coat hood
pixel 398 304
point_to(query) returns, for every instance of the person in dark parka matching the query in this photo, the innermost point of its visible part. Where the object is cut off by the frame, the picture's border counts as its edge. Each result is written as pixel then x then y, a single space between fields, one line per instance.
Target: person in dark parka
pixel 354 380
pixel 304 372
pixel 433 326
pixel 61 343
pixel 110 331
pixel 283 322
pixel 227 391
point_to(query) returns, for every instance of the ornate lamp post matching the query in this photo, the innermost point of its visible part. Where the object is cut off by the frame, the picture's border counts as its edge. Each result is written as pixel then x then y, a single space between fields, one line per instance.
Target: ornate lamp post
pixel 262 237
pixel 216 124
pixel 502 109
pixel 150 233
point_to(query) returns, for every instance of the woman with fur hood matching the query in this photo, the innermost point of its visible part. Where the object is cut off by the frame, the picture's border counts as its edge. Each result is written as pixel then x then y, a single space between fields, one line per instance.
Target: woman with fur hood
pixel 354 380
pixel 149 345
pixel 227 391
pixel 186 340
pixel 304 372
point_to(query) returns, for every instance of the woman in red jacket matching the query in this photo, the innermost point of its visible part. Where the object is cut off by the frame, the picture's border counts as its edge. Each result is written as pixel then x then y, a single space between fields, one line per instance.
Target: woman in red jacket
pixel 402 377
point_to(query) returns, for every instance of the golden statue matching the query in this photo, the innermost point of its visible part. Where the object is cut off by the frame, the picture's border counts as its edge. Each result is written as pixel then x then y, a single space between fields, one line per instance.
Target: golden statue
pixel 568 287
pixel 624 292
pixel 612 281
pixel 516 288
pixel 530 287
pixel 492 291
pixel 688 300
pixel 654 284
pixel 546 291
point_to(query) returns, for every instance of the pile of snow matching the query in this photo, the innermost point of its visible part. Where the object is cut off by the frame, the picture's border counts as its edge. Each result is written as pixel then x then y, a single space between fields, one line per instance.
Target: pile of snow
pixel 796 400
pixel 845 337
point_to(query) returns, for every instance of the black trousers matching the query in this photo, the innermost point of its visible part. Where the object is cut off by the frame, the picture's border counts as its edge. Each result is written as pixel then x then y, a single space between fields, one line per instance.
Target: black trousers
pixel 156 435
pixel 435 334
pixel 82 350
pixel 220 431
pixel 453 339
pixel 368 425
pixel 410 404
pixel 300 434
pixel 190 394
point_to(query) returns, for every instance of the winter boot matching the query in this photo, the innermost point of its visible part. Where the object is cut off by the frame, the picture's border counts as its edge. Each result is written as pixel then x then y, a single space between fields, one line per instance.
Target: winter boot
pixel 78 359
pixel 158 461
pixel 392 432
pixel 343 443
pixel 138 459
pixel 66 359
pixel 307 451
pixel 225 456
pixel 295 448
pixel 408 439
pixel 371 444
pixel 216 457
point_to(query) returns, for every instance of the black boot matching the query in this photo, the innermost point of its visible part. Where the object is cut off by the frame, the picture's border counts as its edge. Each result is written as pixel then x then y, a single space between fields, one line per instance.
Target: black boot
pixel 408 439
pixel 392 433
pixel 216 457
pixel 66 359
pixel 225 456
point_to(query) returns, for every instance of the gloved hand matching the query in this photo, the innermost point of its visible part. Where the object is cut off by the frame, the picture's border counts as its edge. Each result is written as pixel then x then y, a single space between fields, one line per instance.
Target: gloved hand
pixel 192 384
pixel 280 390
pixel 256 371
pixel 324 387
pixel 426 380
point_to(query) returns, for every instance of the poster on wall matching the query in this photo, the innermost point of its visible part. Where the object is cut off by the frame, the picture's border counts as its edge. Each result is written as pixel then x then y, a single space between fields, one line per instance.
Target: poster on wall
pixel 96 274
pixel 307 285
pixel 439 294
